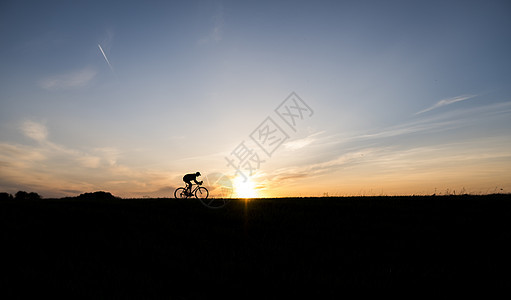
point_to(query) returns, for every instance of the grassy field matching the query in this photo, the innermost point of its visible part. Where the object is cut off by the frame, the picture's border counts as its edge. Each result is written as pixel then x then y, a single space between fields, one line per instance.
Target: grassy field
pixel 170 248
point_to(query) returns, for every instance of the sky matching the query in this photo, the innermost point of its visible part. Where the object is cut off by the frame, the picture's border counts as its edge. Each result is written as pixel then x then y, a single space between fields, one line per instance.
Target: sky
pixel 279 98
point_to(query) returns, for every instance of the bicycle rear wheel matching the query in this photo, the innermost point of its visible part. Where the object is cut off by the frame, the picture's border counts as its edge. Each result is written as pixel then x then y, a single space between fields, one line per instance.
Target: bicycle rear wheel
pixel 180 193
pixel 201 193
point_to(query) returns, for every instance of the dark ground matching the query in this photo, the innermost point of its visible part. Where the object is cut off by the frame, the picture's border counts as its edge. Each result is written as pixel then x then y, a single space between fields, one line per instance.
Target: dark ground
pixel 160 248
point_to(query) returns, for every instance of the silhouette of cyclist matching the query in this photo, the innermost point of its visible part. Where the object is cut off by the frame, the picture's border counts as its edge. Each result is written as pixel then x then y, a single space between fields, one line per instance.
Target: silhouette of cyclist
pixel 188 178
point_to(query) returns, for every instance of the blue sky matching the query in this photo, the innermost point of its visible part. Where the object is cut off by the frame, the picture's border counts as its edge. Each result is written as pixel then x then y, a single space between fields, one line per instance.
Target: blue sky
pixel 408 97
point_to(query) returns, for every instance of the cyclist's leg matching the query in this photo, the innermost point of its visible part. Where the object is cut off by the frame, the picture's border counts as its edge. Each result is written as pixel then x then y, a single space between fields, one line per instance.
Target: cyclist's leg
pixel 188 186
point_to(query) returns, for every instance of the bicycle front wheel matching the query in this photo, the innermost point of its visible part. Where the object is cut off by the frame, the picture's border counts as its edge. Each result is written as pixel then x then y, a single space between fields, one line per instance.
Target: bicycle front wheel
pixel 201 193
pixel 179 193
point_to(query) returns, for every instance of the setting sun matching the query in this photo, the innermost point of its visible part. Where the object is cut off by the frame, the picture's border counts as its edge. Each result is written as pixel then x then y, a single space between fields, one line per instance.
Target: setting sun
pixel 244 189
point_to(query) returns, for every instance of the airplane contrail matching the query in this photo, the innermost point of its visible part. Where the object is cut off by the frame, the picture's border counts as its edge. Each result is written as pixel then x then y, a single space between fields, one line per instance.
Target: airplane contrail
pixel 104 55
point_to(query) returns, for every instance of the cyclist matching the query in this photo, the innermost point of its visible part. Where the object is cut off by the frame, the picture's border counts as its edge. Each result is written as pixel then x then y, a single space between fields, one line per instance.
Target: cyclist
pixel 188 178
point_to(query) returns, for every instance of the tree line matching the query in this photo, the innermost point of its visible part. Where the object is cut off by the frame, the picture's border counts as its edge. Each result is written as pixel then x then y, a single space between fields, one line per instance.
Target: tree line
pixel 20 195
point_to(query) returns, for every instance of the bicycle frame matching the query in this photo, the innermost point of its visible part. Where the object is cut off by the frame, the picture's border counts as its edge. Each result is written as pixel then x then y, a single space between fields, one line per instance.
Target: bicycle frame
pixel 192 191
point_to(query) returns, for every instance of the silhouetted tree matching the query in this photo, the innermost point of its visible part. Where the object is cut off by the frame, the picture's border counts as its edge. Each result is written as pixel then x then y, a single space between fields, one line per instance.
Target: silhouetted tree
pixel 34 196
pixel 97 196
pixel 5 196
pixel 22 195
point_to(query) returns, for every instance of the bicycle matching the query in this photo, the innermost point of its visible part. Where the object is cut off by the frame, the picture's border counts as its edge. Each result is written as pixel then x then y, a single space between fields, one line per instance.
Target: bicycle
pixel 199 192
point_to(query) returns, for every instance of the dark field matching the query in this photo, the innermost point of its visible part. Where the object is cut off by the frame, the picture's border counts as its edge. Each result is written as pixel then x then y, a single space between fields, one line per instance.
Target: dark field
pixel 166 248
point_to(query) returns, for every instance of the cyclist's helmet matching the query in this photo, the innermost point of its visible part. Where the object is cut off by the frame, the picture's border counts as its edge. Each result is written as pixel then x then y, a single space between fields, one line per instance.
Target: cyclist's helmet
pixel 198 173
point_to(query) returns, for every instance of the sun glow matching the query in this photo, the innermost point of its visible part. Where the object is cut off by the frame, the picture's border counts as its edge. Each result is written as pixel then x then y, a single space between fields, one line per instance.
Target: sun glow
pixel 244 189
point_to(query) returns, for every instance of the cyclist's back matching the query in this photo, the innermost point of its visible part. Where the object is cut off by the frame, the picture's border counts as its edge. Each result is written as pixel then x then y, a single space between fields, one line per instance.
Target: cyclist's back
pixel 190 177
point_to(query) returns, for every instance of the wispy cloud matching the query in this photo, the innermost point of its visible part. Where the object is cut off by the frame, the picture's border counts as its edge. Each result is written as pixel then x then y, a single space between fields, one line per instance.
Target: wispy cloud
pixel 445 102
pixel 348 158
pixel 34 130
pixel 71 80
pixel 440 122
pixel 301 143
pixel 409 128
pixel 216 32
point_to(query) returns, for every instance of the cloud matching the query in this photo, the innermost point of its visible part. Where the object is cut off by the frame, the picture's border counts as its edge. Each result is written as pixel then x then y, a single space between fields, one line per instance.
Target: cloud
pixel 56 170
pixel 89 161
pixel 445 102
pixel 22 155
pixel 300 143
pixel 216 32
pixel 441 122
pixel 285 176
pixel 71 80
pixel 34 131
pixel 409 128
pixel 332 153
pixel 348 158
pixel 459 161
